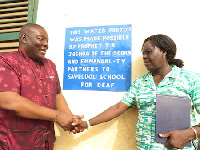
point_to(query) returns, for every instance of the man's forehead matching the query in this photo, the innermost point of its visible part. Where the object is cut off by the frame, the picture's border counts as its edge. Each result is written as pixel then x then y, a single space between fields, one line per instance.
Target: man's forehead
pixel 38 31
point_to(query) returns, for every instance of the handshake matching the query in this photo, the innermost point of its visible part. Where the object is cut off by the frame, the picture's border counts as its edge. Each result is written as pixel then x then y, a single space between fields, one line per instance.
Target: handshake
pixel 71 123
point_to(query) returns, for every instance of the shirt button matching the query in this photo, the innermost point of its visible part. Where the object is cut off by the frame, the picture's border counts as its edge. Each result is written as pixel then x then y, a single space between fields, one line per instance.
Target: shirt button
pixel 5 144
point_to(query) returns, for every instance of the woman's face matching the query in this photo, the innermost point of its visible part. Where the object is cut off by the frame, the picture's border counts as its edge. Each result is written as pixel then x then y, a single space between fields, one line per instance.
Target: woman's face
pixel 153 57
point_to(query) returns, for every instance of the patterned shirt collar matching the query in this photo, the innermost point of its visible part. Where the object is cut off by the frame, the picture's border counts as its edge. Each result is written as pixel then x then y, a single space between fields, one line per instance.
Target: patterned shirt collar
pixel 174 73
pixel 23 54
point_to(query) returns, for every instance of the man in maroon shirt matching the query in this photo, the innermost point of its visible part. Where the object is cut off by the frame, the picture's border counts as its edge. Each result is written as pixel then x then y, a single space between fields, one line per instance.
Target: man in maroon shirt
pixel 30 94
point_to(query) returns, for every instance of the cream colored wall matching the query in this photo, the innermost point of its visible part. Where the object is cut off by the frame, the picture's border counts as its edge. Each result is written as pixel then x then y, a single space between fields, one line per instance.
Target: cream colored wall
pixel 178 19
pixel 118 134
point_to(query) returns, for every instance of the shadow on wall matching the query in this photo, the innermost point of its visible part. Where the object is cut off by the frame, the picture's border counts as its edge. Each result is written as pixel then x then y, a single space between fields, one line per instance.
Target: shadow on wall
pixel 102 136
pixel 117 134
pixel 138 68
pixel 86 140
pixel 125 138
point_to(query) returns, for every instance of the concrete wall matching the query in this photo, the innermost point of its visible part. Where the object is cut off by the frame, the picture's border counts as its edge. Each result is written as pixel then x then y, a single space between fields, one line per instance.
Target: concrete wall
pixel 177 19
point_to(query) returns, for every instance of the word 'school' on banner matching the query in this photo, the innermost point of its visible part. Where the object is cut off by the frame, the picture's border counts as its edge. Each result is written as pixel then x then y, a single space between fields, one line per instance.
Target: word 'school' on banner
pixel 98 58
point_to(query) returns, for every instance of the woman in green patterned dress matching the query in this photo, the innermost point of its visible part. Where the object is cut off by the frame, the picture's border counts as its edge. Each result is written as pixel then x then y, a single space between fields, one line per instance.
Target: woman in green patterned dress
pixel 165 76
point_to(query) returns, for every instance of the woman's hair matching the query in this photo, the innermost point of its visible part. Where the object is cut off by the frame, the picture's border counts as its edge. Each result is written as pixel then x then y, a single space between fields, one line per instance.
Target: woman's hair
pixel 166 44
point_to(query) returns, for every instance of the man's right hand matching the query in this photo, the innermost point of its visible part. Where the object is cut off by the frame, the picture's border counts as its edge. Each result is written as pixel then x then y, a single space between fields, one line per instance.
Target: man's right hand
pixel 64 120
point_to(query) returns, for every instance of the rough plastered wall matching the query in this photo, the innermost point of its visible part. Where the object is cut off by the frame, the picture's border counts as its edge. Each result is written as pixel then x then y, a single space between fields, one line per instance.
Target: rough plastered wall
pixel 178 19
pixel 117 134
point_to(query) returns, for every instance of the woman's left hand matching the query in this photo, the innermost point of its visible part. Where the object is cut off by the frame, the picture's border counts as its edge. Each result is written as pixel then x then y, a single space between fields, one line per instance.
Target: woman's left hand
pixel 178 138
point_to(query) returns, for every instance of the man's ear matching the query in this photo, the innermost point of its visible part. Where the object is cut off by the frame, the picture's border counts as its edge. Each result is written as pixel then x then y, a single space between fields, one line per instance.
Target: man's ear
pixel 23 38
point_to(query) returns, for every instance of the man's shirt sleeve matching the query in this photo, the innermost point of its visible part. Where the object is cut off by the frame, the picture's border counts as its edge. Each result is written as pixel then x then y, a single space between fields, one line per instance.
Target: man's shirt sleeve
pixel 9 80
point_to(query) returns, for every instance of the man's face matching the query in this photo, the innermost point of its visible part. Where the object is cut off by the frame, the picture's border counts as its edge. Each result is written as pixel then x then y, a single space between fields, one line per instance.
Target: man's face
pixel 36 43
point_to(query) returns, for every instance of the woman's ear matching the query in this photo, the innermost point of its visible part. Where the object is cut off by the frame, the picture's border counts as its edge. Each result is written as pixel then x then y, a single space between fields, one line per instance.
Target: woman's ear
pixel 164 54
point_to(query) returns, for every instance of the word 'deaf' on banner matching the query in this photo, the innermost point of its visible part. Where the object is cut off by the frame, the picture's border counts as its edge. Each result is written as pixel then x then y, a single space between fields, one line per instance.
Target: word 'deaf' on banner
pixel 98 58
